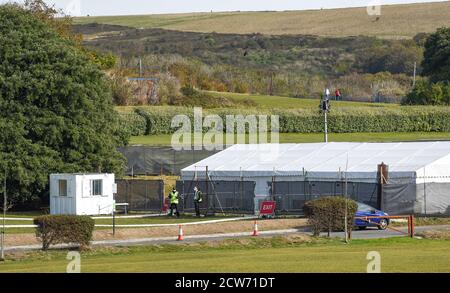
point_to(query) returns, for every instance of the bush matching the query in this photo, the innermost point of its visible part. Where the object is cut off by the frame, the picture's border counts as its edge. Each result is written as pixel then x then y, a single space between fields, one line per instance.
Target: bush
pixel 54 229
pixel 350 120
pixel 159 119
pixel 133 123
pixel 168 89
pixel 426 93
pixel 122 90
pixel 328 214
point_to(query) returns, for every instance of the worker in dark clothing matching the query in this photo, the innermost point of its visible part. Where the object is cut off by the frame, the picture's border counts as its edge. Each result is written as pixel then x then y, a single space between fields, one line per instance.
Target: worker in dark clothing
pixel 198 199
pixel 174 200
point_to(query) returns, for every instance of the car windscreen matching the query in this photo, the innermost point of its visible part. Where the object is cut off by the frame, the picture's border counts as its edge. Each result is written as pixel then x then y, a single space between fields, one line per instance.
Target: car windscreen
pixel 365 208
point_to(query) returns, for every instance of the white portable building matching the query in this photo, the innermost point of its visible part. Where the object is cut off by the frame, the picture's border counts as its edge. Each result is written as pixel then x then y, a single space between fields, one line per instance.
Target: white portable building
pixel 418 177
pixel 82 194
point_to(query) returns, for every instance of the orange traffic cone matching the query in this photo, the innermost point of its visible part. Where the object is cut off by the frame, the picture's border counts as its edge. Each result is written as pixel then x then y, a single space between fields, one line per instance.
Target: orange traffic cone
pixel 180 234
pixel 255 229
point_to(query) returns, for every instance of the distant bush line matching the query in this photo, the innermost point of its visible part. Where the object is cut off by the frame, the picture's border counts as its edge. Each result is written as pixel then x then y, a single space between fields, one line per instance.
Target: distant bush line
pixel 157 120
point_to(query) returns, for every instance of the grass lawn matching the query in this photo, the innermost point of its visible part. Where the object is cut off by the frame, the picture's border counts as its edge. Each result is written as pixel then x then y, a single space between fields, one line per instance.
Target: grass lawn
pixel 398 21
pixel 276 254
pixel 159 220
pixel 165 139
pixel 265 101
pixel 271 102
pixel 120 221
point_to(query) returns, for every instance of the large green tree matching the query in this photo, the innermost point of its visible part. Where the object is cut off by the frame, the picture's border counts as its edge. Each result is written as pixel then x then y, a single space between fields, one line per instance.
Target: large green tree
pixel 436 63
pixel 56 110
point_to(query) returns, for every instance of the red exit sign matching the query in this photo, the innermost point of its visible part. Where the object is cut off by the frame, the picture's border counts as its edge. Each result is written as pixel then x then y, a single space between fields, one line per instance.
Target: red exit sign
pixel 267 208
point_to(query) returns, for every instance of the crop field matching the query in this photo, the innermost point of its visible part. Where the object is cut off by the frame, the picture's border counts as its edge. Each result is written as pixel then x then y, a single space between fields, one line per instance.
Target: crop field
pixel 281 254
pixel 396 21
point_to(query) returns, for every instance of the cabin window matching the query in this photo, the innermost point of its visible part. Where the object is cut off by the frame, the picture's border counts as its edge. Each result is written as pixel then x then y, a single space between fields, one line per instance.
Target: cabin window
pixel 96 187
pixel 62 187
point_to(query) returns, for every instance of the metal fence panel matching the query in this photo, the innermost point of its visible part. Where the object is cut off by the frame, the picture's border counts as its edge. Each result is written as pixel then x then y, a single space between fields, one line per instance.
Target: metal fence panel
pixel 150 160
pixel 292 195
pixel 231 196
pixel 141 195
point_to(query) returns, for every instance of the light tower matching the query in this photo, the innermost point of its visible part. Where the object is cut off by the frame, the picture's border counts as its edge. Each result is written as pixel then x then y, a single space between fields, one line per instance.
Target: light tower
pixel 325 109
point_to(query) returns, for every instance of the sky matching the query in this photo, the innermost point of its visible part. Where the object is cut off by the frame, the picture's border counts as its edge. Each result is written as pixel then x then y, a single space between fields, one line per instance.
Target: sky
pixel 129 7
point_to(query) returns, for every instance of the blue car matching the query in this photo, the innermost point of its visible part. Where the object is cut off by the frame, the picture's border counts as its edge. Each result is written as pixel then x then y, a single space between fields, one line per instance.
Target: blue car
pixel 368 211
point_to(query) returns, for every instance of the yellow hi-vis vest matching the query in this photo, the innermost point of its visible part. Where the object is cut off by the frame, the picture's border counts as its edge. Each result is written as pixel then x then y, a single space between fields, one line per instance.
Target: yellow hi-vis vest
pixel 173 197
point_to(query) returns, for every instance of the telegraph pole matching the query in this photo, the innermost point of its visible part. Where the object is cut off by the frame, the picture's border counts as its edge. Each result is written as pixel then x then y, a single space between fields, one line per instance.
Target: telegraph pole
pixel 414 78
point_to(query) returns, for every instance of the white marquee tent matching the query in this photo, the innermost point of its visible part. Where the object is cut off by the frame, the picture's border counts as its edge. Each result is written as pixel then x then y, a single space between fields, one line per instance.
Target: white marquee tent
pixel 418 171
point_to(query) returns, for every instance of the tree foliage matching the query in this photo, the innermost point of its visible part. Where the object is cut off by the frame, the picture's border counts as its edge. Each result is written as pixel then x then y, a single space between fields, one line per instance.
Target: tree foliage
pixel 395 58
pixel 436 63
pixel 426 93
pixel 56 110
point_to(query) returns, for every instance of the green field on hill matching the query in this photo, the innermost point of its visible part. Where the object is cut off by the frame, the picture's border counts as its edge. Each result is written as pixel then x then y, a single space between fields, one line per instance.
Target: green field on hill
pixel 271 102
pixel 275 102
pixel 396 21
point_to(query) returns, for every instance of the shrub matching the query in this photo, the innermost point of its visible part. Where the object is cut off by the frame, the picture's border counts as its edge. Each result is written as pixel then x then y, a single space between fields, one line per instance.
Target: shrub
pixel 426 93
pixel 133 123
pixel 328 214
pixel 54 229
pixel 159 119
pixel 168 89
pixel 122 90
pixel 344 120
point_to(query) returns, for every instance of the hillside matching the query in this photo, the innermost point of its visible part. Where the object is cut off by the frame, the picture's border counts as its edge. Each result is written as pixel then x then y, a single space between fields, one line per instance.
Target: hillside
pixel 396 21
pixel 286 65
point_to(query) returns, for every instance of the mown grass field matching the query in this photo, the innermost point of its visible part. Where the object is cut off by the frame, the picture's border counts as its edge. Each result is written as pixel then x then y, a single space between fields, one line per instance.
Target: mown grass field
pixel 276 254
pixel 119 221
pixel 165 139
pixel 271 102
pixel 265 101
pixel 396 21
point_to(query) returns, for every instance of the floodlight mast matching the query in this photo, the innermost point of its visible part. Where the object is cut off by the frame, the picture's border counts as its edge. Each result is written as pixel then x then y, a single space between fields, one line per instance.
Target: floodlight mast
pixel 325 108
pixel 346 204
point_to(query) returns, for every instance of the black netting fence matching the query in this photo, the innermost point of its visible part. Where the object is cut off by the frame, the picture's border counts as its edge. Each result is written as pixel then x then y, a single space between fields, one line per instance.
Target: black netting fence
pixel 141 195
pixel 291 196
pixel 149 160
pixel 229 196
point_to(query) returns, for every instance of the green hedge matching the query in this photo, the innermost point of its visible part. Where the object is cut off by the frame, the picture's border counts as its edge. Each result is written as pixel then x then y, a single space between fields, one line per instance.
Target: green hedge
pixel 347 120
pixel 54 229
pixel 327 214
pixel 134 124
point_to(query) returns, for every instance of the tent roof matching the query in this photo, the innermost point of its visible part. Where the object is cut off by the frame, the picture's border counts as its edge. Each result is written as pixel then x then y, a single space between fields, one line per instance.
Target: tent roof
pixel 321 159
